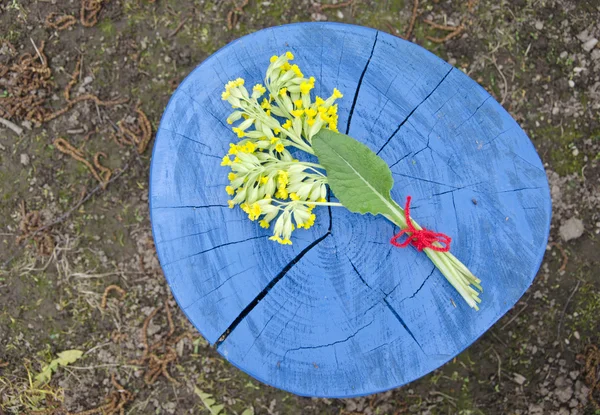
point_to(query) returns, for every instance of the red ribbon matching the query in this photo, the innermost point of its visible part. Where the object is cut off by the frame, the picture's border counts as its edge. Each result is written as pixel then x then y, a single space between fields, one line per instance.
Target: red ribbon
pixel 420 239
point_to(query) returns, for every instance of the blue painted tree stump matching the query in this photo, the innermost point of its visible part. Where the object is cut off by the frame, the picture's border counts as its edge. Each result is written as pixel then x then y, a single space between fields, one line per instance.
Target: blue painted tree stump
pixel 342 312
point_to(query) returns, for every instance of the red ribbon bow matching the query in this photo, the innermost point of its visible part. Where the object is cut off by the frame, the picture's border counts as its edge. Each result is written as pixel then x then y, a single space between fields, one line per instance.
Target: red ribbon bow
pixel 420 239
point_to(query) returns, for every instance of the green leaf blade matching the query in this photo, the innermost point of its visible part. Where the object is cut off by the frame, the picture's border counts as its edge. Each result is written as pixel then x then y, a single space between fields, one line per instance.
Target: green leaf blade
pixel 359 178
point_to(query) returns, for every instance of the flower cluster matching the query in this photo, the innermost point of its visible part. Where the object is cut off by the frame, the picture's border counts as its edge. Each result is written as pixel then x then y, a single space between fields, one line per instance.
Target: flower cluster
pixel 266 181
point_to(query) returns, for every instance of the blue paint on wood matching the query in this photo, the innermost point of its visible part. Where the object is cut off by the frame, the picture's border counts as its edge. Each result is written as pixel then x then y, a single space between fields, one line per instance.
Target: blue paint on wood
pixel 342 312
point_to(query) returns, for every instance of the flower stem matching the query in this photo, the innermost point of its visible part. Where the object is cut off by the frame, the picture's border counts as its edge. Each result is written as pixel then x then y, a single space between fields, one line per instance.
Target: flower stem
pixel 457 274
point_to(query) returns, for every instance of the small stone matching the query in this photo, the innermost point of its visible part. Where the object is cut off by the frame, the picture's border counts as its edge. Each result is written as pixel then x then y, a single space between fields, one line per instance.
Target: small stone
pixel 87 80
pixel 564 391
pixel 573 403
pixel 584 36
pixel 576 335
pixel 571 229
pixel 539 25
pixel 563 411
pixel 573 374
pixel 590 44
pixel 571 83
pixel 535 410
pixel 564 54
pixel 24 159
pixel 167 59
pixel 519 379
pixel 27 124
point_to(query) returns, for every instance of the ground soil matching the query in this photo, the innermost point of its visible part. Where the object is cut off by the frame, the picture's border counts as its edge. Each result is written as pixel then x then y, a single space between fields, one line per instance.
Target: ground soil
pixel 534 56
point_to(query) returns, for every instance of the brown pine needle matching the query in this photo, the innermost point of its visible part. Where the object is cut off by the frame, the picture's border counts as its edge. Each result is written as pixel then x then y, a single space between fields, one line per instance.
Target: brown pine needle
pixel 60 22
pixel 122 294
pixel 65 147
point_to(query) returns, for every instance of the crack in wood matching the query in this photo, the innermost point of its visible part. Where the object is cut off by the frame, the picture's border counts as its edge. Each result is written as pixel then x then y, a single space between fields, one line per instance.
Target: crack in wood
pixel 266 290
pixel 360 80
pixel 414 109
pixel 329 344
pixel 190 207
pixel 215 247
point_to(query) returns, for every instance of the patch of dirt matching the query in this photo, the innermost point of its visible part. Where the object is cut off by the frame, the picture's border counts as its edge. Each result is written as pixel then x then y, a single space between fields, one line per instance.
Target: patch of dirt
pixel 534 56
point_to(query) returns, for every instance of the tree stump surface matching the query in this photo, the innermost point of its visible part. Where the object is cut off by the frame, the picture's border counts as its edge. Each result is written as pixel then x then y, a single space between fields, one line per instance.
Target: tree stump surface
pixel 342 312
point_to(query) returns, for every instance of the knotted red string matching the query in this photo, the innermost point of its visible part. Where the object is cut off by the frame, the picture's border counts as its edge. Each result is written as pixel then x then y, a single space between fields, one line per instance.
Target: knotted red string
pixel 420 239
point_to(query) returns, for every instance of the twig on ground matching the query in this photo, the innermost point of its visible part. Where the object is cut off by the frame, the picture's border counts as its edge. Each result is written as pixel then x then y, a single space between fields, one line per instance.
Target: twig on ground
pixel 335 6
pixel 179 26
pixel 413 18
pixel 562 315
pixel 18 130
pixel 563 267
pixel 515 317
pixel 233 15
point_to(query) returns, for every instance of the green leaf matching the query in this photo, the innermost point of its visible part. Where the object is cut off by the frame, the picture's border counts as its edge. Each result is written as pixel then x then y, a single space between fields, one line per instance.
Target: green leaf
pixel 209 402
pixel 249 411
pixel 358 177
pixel 64 358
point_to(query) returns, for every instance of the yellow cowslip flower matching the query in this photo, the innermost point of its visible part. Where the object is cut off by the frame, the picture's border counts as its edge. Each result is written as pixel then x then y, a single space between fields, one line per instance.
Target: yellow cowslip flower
pixel 287 124
pixel 282 193
pixel 231 176
pixel 245 207
pixel 286 67
pixel 264 224
pixel 254 211
pixel 294 196
pixel 239 82
pixel 282 178
pixel 240 133
pixel 310 121
pixel 230 204
pixel 311 112
pixel 312 80
pixel 321 200
pixel 250 147
pixel 289 55
pixel 333 127
pixel 319 101
pixel 332 110
pixel 245 116
pixel 226 161
pixel 236 159
pixel 297 71
pixel 310 222
pixel 229 121
pixel 276 131
pixel 263 180
pixel 259 88
pixel 305 87
pixel 225 95
pixel 283 91
pixel 321 109
pixel 297 113
pixel 279 148
pixel 298 103
pixel 274 140
pixel 285 241
pixel 233 149
pixel 273 58
pixel 268 112
pixel 337 93
pixel 229 190
pixel 265 104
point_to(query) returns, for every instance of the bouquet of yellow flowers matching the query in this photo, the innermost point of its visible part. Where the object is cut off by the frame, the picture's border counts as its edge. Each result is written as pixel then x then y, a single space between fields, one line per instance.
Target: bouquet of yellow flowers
pixel 269 184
